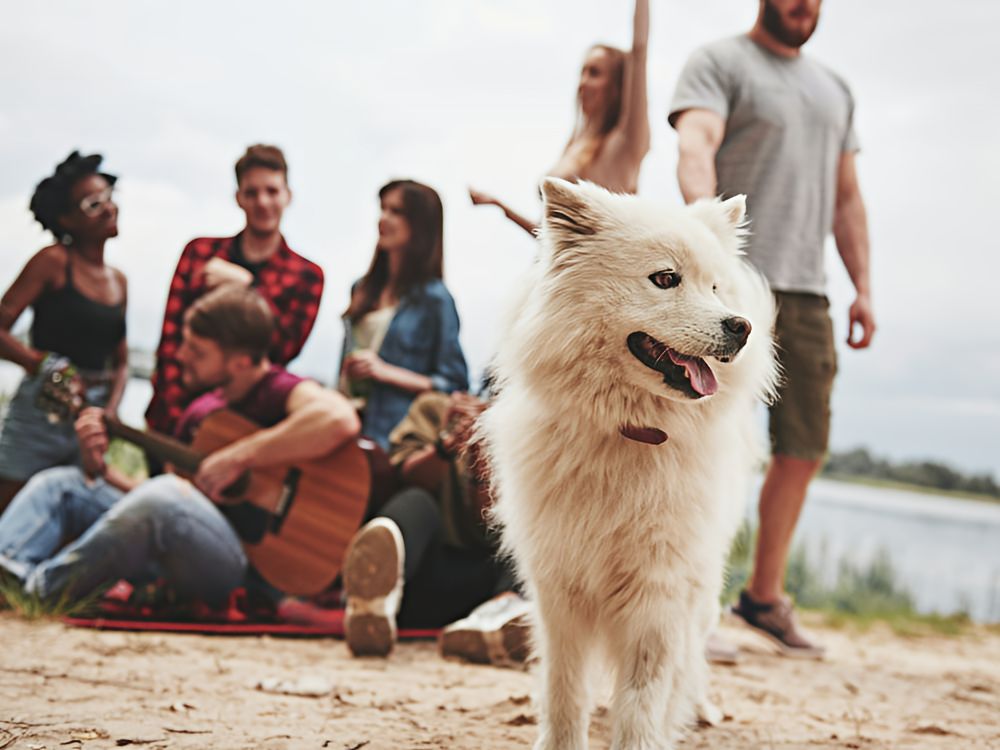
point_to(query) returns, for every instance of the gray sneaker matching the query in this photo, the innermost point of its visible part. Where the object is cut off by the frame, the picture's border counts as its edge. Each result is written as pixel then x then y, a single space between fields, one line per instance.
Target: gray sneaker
pixel 777 623
pixel 496 632
pixel 373 583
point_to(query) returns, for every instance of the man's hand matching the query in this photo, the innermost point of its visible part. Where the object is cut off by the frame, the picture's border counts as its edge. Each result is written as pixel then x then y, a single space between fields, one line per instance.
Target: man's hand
pixel 92 434
pixel 861 314
pixel 363 364
pixel 219 470
pixel 218 272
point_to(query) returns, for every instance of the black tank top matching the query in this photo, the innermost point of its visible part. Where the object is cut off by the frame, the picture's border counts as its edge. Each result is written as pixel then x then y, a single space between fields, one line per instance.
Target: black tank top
pixel 77 327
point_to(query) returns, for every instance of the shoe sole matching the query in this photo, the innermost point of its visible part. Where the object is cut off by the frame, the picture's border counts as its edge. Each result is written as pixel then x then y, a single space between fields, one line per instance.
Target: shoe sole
pixel 366 574
pixel 368 577
pixel 509 645
pixel 725 658
pixel 369 635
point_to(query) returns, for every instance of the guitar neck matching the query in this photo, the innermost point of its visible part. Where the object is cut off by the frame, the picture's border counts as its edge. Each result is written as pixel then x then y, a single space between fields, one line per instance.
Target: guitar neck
pixel 164 448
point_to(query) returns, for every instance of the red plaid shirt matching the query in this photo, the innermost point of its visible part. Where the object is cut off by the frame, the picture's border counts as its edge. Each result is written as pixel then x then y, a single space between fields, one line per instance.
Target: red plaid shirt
pixel 290 283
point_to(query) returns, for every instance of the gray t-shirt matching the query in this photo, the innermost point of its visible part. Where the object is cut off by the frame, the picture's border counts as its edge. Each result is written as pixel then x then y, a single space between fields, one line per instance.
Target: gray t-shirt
pixel 788 120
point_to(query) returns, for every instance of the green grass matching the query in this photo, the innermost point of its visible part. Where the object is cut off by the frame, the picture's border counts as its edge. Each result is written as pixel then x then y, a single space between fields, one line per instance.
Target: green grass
pixel 128 459
pixel 903 624
pixel 31 607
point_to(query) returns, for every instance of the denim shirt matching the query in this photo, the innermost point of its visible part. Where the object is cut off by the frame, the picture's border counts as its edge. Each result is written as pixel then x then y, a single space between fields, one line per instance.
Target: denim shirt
pixel 422 337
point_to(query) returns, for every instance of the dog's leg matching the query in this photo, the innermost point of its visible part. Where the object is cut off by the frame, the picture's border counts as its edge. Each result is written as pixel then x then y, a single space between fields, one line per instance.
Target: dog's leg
pixel 688 701
pixel 706 711
pixel 563 641
pixel 648 657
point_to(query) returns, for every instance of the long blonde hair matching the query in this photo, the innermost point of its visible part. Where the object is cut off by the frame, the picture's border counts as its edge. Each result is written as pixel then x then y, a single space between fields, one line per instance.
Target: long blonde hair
pixel 612 112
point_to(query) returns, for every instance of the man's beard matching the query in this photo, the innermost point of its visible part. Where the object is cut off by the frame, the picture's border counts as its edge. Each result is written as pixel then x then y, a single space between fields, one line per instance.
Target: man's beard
pixel 201 387
pixel 772 22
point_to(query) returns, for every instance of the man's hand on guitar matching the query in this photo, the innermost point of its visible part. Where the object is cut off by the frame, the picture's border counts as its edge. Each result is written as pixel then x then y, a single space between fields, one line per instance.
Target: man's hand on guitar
pixel 219 470
pixel 93 437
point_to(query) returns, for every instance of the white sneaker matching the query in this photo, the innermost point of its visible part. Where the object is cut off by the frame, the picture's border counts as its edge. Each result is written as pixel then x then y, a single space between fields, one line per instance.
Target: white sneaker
pixel 373 582
pixel 496 632
pixel 719 650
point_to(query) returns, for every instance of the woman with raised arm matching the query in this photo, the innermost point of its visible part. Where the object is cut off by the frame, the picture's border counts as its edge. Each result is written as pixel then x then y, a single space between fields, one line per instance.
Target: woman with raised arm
pixel 611 134
pixel 401 325
pixel 78 330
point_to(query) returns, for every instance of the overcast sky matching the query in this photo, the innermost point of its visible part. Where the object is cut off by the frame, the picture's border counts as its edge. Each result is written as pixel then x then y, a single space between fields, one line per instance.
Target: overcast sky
pixel 481 92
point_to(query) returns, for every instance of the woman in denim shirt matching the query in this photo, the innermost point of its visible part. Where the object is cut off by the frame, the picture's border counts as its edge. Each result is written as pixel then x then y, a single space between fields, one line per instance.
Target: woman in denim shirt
pixel 402 326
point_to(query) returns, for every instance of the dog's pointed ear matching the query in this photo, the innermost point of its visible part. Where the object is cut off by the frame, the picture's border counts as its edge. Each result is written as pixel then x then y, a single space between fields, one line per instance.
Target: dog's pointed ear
pixel 727 219
pixel 569 214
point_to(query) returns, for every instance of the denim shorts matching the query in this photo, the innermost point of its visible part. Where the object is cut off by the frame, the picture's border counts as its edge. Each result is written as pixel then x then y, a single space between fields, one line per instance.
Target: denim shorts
pixel 800 418
pixel 29 442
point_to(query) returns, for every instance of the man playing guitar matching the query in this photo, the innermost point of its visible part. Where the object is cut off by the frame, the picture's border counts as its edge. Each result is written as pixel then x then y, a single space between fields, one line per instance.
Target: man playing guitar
pixel 169 527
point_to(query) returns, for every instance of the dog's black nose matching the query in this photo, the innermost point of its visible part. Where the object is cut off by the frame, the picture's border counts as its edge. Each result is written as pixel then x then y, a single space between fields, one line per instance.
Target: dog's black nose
pixel 737 328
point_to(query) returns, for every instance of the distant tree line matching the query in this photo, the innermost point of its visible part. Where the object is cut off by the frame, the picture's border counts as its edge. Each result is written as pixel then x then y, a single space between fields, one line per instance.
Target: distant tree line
pixel 860 463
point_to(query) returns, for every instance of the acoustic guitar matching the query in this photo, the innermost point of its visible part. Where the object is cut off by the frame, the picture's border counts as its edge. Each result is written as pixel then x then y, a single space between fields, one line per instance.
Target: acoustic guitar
pixel 305 514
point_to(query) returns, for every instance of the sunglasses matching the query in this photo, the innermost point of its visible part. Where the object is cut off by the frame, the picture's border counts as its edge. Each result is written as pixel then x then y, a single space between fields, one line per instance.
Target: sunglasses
pixel 94 203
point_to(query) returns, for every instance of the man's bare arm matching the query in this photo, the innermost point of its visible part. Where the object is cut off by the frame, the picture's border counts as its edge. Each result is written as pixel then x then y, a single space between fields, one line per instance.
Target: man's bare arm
pixel 319 421
pixel 699 135
pixel 850 230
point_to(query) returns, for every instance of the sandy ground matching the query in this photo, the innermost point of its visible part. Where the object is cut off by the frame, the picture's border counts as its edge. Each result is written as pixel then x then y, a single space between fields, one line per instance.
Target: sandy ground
pixel 70 688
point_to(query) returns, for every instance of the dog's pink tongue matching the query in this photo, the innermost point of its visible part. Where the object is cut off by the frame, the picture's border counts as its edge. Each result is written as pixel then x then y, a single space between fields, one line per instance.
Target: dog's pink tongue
pixel 699 374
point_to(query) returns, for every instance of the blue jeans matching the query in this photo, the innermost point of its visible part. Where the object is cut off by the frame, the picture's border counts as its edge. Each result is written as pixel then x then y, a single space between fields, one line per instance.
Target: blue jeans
pixel 163 528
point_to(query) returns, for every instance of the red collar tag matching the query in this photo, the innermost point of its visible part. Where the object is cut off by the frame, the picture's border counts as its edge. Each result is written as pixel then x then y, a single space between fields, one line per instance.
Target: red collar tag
pixel 650 435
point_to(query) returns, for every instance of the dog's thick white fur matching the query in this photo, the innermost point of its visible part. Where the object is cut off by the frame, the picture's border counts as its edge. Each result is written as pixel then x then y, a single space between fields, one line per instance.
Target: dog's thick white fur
pixel 621 542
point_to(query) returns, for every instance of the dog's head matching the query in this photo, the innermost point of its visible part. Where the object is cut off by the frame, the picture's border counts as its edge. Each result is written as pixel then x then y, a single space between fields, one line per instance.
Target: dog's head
pixel 663 292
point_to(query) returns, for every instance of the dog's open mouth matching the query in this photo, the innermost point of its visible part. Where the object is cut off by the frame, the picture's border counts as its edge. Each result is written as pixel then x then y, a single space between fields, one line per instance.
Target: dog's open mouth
pixel 690 375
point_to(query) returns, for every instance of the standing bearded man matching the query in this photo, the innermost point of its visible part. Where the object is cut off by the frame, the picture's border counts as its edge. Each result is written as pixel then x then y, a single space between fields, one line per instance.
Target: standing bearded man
pixel 755 116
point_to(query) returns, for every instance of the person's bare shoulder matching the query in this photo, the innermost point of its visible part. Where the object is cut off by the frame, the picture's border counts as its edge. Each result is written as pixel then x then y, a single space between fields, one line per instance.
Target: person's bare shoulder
pixel 49 264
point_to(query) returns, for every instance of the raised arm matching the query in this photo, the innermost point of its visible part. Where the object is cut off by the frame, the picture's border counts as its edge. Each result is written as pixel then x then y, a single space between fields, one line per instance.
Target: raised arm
pixel 699 135
pixel 482 199
pixel 634 121
pixel 27 287
pixel 850 230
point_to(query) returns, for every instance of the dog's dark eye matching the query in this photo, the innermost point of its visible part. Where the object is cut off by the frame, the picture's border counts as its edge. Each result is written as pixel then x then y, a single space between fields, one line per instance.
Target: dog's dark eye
pixel 665 279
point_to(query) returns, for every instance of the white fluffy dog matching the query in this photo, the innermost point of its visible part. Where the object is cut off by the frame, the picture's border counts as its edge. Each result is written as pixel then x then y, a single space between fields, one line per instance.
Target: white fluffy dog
pixel 621 443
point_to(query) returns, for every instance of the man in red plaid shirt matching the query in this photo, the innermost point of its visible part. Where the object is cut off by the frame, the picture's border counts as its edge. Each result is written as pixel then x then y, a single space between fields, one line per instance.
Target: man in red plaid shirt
pixel 258 257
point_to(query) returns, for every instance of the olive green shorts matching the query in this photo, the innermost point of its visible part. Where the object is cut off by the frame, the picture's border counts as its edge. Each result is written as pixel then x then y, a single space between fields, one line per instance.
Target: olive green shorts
pixel 800 418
